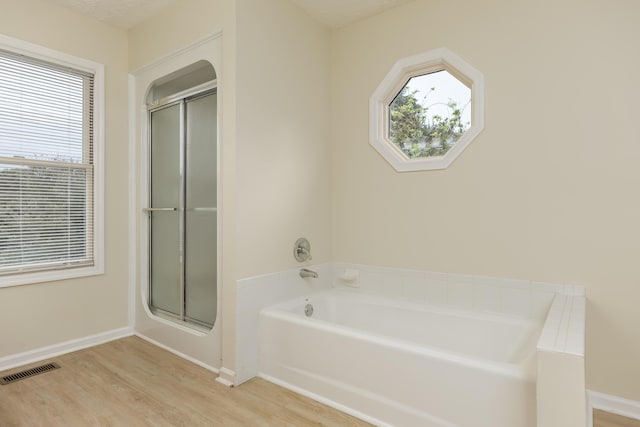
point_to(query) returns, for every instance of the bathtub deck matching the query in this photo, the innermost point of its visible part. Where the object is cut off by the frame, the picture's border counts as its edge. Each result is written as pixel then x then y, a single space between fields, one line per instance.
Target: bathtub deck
pixel 131 383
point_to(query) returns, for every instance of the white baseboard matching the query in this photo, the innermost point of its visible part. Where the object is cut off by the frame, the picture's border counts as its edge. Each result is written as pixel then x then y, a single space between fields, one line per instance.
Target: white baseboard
pixel 615 405
pixel 227 377
pixel 177 353
pixel 20 359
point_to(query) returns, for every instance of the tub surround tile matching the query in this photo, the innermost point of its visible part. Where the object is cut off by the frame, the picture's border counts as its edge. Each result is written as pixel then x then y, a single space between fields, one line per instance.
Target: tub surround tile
pixel 559 308
pixel 564 329
pixel 338 271
pixel 521 298
pixel 516 301
pixel 575 331
pixel 578 290
pixel 349 277
pixel 549 334
pixel 513 283
pixel 414 287
pixel 255 293
pixel 541 303
pixel 367 278
pixel 561 349
pixel 460 292
pixel 513 297
pixel 391 284
pixel 436 288
pixel 487 297
pixel 549 287
pixel 435 278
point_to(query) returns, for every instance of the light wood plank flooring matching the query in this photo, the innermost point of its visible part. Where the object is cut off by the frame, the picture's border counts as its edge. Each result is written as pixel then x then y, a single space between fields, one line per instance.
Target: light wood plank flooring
pixel 132 383
pixel 605 419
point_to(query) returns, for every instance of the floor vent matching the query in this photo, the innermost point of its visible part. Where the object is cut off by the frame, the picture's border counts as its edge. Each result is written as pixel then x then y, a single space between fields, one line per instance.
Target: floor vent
pixel 28 373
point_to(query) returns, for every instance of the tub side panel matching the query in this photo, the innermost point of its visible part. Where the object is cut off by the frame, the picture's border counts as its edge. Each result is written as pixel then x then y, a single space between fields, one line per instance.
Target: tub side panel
pixel 393 385
pixel 561 379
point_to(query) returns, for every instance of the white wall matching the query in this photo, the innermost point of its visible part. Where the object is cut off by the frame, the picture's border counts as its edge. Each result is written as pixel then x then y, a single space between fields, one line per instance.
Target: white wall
pixel 548 190
pixel 39 315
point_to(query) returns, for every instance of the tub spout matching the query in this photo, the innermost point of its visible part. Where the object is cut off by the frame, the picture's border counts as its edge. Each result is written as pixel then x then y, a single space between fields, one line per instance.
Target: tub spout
pixel 305 272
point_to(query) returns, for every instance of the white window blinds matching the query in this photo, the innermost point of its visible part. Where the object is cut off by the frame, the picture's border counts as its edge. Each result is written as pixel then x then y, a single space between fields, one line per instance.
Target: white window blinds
pixel 46 166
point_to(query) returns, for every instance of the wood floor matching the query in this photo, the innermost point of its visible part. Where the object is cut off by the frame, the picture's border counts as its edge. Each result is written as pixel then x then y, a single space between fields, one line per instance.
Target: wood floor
pixel 605 419
pixel 132 383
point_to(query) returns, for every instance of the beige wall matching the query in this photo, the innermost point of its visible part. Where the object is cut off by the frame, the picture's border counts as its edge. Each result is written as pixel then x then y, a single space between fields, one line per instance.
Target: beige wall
pixel 275 146
pixel 176 27
pixel 283 136
pixel 49 313
pixel 549 190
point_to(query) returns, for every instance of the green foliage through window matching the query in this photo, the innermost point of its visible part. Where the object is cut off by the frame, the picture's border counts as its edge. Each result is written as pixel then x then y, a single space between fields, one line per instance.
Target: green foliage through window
pixel 46 166
pixel 418 130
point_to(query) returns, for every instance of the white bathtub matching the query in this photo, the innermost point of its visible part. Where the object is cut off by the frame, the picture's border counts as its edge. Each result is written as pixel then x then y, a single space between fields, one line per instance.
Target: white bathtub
pixel 403 364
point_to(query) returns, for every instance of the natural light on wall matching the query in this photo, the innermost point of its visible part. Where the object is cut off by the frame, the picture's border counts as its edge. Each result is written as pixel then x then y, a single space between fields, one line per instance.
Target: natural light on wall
pixel 426 111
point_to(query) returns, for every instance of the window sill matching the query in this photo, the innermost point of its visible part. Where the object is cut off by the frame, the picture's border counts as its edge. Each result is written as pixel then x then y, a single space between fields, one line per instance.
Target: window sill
pixel 49 276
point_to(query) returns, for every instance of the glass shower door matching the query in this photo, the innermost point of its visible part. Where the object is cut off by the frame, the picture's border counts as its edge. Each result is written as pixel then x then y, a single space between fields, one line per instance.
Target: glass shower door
pixel 201 210
pixel 165 271
pixel 183 210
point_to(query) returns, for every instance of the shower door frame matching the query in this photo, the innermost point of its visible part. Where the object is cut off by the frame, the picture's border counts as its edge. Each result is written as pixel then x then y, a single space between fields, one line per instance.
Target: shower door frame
pixel 196 345
pixel 180 98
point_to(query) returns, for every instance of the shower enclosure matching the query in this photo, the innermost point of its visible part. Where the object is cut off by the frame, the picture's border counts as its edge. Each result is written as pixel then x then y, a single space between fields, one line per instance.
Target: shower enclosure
pixel 183 206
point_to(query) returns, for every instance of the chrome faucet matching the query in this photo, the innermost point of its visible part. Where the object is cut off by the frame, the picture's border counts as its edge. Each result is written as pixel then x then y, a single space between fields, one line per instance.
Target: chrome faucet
pixel 305 272
pixel 304 253
pixel 302 250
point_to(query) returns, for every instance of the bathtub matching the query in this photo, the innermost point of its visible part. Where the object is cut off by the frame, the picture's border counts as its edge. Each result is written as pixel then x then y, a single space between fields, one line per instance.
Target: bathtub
pixel 398 363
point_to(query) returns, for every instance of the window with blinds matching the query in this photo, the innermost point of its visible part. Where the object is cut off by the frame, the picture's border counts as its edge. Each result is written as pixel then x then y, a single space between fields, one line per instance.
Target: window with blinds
pixel 46 166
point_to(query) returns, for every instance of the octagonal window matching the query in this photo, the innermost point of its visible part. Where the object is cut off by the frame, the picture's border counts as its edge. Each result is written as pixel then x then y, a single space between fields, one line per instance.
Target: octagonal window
pixel 426 111
pixel 429 114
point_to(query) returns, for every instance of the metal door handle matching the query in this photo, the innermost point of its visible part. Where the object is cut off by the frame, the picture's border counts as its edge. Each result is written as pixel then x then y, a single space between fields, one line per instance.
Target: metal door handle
pixel 149 210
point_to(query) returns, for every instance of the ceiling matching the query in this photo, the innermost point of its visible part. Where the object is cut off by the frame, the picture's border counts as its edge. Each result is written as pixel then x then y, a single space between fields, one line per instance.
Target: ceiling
pixel 338 13
pixel 121 13
pixel 128 13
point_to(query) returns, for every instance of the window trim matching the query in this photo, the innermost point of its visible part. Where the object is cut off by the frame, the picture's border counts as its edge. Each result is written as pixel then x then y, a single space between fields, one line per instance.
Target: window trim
pixel 39 52
pixel 414 66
